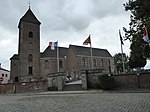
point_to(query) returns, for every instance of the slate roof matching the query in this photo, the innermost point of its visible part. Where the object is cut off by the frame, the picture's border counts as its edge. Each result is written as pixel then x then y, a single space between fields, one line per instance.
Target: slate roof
pixel 53 53
pixel 15 56
pixel 4 69
pixel 29 17
pixel 80 50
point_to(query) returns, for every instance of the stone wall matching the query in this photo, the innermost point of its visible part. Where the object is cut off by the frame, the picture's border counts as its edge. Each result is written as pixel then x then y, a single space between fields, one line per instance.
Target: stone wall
pixel 56 80
pixel 91 80
pixel 121 81
pixel 24 87
pixel 131 80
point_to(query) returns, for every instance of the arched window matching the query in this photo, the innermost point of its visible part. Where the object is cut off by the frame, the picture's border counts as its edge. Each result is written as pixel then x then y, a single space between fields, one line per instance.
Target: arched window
pixel 83 62
pixel 30 34
pixel 109 62
pixel 60 64
pixel 94 62
pixel 30 58
pixel 102 62
pixel 46 64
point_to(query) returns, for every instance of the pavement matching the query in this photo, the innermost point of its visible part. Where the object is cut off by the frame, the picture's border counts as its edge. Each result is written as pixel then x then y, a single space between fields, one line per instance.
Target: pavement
pixel 91 91
pixel 76 101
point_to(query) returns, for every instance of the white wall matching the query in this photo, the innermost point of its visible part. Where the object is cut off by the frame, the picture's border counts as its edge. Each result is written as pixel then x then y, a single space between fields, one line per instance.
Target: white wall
pixel 6 76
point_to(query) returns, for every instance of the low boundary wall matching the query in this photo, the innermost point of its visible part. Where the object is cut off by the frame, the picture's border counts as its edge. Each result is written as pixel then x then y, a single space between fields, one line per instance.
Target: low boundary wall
pixel 132 80
pixel 20 87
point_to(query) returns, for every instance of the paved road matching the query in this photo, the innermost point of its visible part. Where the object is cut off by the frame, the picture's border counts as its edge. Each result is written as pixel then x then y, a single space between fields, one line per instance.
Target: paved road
pixel 94 102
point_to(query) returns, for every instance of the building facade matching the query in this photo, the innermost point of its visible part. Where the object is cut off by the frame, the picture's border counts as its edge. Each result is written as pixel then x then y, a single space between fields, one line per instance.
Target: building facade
pixel 4 75
pixel 29 64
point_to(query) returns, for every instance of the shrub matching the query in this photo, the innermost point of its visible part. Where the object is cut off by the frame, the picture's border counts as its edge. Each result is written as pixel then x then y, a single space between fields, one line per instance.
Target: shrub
pixel 53 88
pixel 105 81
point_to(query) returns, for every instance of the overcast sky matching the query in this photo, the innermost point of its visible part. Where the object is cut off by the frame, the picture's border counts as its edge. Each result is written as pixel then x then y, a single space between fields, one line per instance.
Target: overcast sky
pixel 65 21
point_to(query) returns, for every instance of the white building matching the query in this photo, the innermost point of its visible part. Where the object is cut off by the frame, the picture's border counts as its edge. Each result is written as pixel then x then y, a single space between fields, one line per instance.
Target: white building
pixel 4 74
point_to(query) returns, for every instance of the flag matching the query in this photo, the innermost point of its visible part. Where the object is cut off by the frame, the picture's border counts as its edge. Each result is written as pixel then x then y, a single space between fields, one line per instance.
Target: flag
pixel 145 35
pixel 121 40
pixel 87 41
pixel 53 45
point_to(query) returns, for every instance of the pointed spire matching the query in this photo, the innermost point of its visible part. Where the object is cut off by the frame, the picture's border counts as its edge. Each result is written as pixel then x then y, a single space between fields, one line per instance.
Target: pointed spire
pixel 29 17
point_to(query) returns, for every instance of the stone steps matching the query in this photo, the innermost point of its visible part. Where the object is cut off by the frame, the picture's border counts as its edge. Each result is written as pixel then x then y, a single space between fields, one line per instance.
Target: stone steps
pixel 73 87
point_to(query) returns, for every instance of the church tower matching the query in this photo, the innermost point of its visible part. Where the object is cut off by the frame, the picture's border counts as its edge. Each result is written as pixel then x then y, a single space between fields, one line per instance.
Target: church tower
pixel 29 47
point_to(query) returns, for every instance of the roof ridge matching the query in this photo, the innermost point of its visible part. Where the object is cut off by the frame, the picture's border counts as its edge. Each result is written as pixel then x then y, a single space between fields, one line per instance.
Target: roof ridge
pixel 4 69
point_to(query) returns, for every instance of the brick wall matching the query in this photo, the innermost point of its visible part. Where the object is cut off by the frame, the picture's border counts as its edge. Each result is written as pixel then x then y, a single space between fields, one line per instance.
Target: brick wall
pixel 131 80
pixel 24 87
pixel 121 81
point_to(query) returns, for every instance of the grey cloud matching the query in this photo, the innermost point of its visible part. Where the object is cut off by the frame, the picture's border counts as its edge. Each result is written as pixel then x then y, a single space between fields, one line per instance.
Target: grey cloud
pixel 62 20
pixel 9 11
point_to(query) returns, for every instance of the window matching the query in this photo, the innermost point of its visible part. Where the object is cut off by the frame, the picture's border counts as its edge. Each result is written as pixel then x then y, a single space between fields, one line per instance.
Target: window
pixel 6 75
pixel 102 62
pixel 60 64
pixel 16 79
pixel 30 58
pixel 30 34
pixel 83 62
pixel 46 64
pixel 109 62
pixel 2 75
pixel 94 62
pixel 30 70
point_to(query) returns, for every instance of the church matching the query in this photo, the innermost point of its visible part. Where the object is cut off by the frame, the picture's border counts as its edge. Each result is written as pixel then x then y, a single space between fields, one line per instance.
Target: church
pixel 31 65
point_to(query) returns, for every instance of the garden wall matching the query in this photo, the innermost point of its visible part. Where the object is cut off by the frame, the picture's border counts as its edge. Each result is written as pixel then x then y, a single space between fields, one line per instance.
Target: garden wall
pixel 24 87
pixel 132 80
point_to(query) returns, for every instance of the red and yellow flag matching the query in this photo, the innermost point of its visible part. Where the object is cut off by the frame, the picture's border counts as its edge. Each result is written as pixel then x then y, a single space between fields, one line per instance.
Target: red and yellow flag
pixel 87 41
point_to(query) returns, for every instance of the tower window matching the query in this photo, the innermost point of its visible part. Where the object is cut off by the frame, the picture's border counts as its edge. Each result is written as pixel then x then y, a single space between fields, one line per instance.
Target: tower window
pixel 30 70
pixel 16 79
pixel 30 58
pixel 30 34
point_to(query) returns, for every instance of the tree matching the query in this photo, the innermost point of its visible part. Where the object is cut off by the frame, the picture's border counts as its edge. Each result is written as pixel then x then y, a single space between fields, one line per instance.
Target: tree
pixel 140 18
pixel 137 58
pixel 119 62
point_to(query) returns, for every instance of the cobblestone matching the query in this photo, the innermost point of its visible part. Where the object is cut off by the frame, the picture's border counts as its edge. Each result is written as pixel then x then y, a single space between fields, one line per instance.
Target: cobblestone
pixel 99 102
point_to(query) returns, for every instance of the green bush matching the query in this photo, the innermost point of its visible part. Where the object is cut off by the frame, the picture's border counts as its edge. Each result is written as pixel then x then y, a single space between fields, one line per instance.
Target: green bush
pixel 53 88
pixel 105 81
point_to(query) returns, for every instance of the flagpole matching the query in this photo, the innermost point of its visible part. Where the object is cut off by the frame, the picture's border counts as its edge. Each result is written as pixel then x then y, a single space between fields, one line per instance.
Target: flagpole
pixel 91 52
pixel 86 42
pixel 122 51
pixel 57 58
pixel 91 56
pixel 122 59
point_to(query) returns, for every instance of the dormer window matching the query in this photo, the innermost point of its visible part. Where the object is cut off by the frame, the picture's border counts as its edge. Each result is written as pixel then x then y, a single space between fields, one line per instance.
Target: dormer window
pixel 30 34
